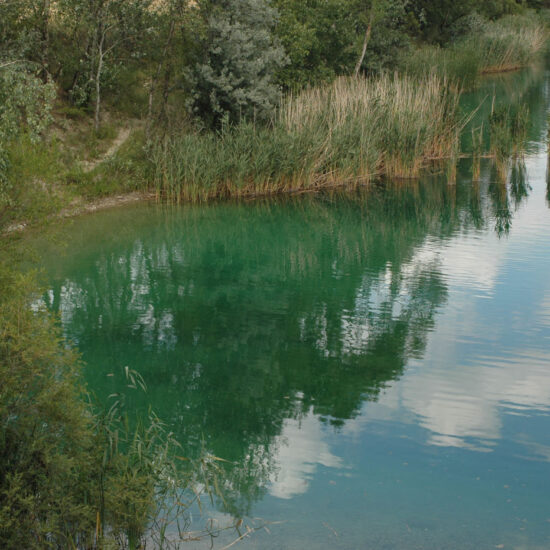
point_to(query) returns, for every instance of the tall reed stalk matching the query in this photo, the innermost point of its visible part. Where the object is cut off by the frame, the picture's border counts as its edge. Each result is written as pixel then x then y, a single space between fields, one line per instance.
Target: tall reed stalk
pixel 341 134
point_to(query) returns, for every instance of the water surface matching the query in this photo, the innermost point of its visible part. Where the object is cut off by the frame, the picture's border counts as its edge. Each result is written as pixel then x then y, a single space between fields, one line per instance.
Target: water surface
pixel 375 365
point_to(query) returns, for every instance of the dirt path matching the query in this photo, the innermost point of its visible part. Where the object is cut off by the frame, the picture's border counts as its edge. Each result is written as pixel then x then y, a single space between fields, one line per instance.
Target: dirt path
pixel 123 135
pixel 79 205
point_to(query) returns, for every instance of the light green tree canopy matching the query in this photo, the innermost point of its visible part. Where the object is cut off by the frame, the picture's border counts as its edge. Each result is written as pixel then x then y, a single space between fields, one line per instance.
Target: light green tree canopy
pixel 236 78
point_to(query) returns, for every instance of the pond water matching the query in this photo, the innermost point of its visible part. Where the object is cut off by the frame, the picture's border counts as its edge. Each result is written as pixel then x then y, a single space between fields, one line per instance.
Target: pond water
pixel 375 365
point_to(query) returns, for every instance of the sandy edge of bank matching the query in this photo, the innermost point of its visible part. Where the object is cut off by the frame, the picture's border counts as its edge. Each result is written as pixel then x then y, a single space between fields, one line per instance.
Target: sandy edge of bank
pixel 89 207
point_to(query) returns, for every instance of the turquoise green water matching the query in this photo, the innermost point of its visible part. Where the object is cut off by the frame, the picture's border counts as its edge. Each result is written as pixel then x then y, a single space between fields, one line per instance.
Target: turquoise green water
pixel 375 365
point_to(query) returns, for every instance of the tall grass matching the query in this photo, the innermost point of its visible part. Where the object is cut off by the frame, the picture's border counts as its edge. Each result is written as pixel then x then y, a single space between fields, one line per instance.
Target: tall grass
pixel 347 132
pixel 489 47
pixel 511 43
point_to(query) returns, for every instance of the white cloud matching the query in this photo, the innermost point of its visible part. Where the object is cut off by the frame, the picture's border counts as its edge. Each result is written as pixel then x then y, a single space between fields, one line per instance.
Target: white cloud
pixel 300 450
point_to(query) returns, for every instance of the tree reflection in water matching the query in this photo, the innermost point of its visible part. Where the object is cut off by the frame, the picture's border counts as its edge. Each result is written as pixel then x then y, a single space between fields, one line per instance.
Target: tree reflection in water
pixel 243 317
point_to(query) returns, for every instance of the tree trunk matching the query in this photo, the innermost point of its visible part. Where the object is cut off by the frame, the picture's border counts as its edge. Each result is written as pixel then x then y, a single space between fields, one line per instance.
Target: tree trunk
pixel 150 110
pixel 364 50
pixel 163 116
pixel 98 82
pixel 157 74
pixel 45 38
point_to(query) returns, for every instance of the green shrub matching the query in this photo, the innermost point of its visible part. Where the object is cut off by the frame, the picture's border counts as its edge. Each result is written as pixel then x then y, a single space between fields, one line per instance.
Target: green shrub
pixel 71 112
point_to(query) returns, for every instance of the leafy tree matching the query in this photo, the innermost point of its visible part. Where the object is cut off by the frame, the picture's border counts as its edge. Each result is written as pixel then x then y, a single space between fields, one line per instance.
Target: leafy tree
pixel 176 29
pixel 25 106
pixel 327 38
pixel 319 37
pixel 93 41
pixel 385 22
pixel 24 28
pixel 114 24
pixel 236 78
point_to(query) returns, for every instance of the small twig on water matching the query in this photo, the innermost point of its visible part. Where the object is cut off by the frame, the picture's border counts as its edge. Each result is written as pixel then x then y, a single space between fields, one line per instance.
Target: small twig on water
pixel 330 528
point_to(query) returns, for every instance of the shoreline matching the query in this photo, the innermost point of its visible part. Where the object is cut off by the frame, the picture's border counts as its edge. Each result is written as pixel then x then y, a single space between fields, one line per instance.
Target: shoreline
pixel 95 205
pixel 81 206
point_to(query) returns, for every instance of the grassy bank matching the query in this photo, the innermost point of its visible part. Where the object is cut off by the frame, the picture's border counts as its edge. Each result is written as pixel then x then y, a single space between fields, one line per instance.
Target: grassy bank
pixel 349 132
pixel 70 169
pixel 352 130
pixel 487 47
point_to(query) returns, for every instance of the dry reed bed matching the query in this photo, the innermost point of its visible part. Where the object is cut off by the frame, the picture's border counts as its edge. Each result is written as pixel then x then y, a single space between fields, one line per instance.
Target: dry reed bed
pixel 509 48
pixel 490 47
pixel 347 132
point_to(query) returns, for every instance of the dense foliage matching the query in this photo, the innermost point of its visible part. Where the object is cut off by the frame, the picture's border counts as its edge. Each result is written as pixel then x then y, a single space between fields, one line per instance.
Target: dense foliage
pixel 483 46
pixel 352 130
pixel 220 57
